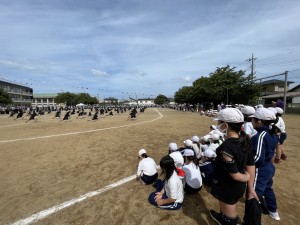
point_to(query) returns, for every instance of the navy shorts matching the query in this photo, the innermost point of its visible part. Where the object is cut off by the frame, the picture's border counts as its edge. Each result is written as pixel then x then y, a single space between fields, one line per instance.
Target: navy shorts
pixel 282 138
pixel 170 206
pixel 149 179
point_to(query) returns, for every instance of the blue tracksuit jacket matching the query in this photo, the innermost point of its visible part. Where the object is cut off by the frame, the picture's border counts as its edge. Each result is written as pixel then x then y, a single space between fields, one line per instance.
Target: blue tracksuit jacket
pixel 264 145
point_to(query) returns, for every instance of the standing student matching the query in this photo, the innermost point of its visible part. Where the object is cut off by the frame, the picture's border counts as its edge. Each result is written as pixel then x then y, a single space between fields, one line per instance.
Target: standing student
pixel 264 145
pixel 230 175
pixel 192 179
pixel 248 127
pixel 171 195
pixel 282 136
pixel 147 169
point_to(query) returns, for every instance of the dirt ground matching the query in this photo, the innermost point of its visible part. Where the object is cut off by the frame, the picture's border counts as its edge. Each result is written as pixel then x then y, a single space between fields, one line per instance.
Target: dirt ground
pixel 46 163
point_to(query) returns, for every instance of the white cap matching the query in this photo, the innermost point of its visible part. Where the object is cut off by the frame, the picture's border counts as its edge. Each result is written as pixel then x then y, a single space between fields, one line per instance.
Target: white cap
pixel 218 132
pixel 230 115
pixel 272 109
pixel 209 153
pixel 247 110
pixel 215 136
pixel 260 106
pixel 264 114
pixel 188 143
pixel 188 152
pixel 195 139
pixel 206 138
pixel 279 110
pixel 173 147
pixel 142 151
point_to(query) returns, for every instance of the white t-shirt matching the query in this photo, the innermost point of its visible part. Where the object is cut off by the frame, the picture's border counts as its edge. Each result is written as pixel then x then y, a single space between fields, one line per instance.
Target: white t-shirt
pixel 192 175
pixel 178 159
pixel 248 129
pixel 147 166
pixel 174 188
pixel 281 125
pixel 197 150
pixel 214 146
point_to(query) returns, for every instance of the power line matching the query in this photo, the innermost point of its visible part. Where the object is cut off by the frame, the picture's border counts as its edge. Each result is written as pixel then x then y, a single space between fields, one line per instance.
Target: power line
pixel 293 70
pixel 280 62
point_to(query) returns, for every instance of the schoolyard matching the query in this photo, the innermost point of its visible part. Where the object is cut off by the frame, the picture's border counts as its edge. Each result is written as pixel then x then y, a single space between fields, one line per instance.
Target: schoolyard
pixel 81 172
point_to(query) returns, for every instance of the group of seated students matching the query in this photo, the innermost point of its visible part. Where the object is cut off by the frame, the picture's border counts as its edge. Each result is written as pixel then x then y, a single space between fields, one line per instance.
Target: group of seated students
pixel 184 169
pixel 238 153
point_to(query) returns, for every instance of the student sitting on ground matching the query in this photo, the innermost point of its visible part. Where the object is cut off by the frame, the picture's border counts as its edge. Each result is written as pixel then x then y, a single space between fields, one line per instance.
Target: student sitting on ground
pixel 192 179
pixel 214 142
pixel 67 117
pixel 178 159
pixel 147 168
pixel 94 118
pixel 32 116
pixel 196 146
pixel 57 114
pixel 20 115
pixel 169 194
pixel 206 166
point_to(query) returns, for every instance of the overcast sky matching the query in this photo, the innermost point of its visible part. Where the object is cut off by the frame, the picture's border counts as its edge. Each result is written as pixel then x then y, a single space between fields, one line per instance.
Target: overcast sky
pixel 145 47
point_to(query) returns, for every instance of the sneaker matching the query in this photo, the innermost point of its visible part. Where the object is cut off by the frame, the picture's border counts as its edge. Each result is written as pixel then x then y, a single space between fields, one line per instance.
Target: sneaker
pixel 283 156
pixel 216 216
pixel 277 161
pixel 274 215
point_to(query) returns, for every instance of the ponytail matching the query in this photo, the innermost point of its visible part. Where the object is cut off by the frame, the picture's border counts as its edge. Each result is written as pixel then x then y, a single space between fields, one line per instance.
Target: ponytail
pixel 245 141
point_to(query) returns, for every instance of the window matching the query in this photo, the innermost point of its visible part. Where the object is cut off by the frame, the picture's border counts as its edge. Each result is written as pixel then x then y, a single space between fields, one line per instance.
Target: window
pixel 279 88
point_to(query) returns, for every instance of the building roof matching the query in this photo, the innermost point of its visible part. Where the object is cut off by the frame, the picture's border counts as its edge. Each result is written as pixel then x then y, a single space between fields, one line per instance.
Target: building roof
pixel 14 83
pixel 274 81
pixel 145 99
pixel 281 95
pixel 45 95
pixel 294 88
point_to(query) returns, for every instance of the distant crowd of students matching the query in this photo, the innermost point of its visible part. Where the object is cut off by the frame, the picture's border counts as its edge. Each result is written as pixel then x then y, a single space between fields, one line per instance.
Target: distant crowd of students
pixel 93 114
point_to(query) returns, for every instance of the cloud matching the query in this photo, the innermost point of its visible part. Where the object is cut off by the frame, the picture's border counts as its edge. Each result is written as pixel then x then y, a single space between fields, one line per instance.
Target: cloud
pixel 16 65
pixel 137 44
pixel 184 79
pixel 99 73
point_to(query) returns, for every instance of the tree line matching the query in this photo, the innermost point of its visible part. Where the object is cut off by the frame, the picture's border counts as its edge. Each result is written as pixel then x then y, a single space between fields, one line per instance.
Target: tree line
pixel 223 85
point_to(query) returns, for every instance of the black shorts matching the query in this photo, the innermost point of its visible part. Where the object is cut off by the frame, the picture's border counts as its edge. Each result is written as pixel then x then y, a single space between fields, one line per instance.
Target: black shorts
pixel 228 193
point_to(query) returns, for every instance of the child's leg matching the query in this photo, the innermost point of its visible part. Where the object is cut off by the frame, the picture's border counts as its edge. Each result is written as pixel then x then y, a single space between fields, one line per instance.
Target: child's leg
pixel 278 154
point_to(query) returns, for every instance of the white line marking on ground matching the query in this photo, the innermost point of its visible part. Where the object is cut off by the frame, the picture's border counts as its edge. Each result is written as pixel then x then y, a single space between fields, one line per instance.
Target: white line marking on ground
pixel 42 214
pixel 82 132
pixel 17 124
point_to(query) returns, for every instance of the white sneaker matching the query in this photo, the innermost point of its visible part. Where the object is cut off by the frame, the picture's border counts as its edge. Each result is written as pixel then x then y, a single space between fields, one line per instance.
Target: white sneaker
pixel 274 215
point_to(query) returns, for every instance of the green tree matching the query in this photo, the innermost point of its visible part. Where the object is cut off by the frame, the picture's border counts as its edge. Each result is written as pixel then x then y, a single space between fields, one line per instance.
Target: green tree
pixel 224 84
pixel 4 98
pixel 67 98
pixel 184 95
pixel 85 98
pixel 161 99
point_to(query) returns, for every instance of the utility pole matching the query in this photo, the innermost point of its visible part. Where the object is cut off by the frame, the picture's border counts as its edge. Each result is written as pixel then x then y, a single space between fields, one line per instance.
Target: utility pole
pixel 285 90
pixel 252 59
